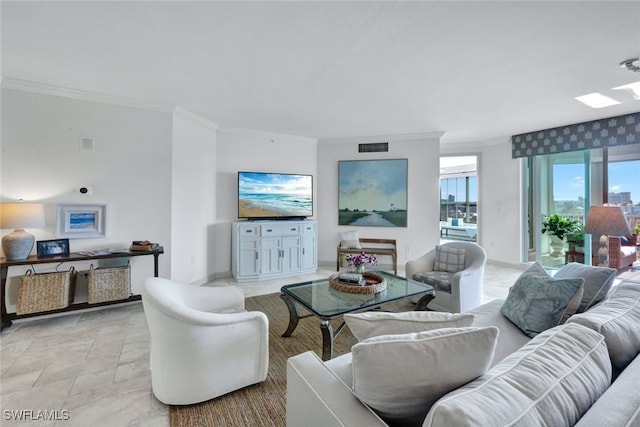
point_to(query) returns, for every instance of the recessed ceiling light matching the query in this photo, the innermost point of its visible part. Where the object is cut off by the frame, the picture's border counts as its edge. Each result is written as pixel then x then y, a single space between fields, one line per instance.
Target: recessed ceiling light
pixel 597 100
pixel 634 88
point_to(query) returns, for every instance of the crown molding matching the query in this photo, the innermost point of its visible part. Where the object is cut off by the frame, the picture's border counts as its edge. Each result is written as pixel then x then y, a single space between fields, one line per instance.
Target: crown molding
pixel 82 95
pixel 196 118
pixel 254 133
pixel 420 136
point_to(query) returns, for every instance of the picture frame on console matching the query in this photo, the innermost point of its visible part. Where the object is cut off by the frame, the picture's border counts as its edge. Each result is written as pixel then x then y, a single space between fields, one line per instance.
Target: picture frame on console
pixel 81 221
pixel 52 248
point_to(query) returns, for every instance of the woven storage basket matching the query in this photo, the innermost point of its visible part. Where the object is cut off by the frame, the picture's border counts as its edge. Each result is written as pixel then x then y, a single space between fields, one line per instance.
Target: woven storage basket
pixel 109 284
pixel 46 291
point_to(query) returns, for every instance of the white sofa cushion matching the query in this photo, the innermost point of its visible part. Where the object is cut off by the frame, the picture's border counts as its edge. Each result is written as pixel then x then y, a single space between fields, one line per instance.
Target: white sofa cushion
pixel 552 381
pixel 620 405
pixel 537 302
pixel 597 281
pixel 372 323
pixel 400 376
pixel 618 319
pixel 510 339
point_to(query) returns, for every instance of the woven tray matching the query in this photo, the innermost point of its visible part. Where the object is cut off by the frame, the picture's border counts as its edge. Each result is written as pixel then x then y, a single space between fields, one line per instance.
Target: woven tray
pixel 45 291
pixel 375 284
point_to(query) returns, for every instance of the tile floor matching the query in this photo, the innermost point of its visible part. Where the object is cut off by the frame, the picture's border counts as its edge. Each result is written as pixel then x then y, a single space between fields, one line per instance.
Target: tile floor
pixel 91 368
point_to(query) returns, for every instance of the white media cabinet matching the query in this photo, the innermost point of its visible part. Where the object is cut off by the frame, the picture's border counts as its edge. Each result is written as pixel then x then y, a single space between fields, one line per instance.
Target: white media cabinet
pixel 270 249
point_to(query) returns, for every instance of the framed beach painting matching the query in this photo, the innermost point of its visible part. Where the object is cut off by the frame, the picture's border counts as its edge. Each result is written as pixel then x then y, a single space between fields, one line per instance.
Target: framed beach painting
pixel 372 192
pixel 81 221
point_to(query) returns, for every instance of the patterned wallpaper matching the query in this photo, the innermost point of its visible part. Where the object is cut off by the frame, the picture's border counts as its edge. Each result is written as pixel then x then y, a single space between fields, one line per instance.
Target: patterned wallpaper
pixel 613 131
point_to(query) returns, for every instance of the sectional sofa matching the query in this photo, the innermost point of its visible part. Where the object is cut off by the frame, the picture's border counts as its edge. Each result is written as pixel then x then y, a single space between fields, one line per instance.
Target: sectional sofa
pixel 491 366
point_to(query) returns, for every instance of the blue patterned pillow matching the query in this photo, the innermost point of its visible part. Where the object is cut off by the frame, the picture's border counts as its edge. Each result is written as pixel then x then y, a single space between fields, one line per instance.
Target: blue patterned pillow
pixel 537 302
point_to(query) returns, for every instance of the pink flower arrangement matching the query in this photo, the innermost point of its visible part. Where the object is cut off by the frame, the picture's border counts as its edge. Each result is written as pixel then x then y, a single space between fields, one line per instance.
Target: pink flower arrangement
pixel 361 259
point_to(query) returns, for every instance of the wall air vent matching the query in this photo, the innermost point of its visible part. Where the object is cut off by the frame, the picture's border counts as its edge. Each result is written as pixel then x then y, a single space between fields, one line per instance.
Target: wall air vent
pixel 87 143
pixel 374 147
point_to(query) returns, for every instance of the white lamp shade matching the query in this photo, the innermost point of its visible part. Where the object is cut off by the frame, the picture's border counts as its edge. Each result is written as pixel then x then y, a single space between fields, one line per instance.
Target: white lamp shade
pixel 607 220
pixel 21 215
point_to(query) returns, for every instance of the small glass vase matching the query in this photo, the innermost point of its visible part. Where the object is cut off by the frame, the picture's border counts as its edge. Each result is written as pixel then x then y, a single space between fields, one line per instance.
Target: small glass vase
pixel 359 269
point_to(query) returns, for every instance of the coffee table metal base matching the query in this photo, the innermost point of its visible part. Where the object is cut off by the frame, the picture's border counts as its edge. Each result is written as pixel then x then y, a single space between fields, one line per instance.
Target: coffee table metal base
pixel 328 335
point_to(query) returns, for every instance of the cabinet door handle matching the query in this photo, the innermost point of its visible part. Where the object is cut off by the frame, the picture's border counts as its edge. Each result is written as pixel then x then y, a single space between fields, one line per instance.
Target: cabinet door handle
pixel 302 251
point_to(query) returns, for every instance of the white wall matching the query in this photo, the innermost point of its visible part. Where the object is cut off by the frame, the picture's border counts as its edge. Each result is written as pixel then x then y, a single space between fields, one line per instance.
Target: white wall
pixel 193 198
pixel 129 169
pixel 499 199
pixel 501 203
pixel 421 233
pixel 248 150
pixel 172 178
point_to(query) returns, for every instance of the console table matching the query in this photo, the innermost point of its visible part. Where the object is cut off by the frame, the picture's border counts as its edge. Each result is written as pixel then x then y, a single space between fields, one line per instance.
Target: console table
pixel 6 318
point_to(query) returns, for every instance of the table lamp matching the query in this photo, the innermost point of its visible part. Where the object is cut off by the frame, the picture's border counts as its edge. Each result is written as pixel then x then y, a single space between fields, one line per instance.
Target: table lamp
pixel 607 221
pixel 18 244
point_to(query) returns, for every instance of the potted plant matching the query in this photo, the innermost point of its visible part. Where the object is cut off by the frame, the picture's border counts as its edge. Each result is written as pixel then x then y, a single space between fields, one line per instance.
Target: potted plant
pixel 576 239
pixel 557 228
pixel 360 260
pixel 633 239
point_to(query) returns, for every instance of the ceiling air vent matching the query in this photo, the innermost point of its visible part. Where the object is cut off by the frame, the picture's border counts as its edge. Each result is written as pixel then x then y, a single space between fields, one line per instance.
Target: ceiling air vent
pixel 374 147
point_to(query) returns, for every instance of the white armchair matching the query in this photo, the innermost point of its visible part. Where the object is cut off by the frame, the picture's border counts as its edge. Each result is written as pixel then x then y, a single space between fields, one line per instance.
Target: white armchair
pixel 455 292
pixel 203 342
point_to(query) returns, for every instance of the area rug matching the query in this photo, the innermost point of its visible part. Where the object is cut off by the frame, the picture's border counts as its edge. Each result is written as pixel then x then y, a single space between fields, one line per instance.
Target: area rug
pixel 265 404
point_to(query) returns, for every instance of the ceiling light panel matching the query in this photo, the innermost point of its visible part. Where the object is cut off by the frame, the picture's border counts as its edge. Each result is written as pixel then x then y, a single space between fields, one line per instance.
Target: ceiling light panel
pixel 597 100
pixel 633 88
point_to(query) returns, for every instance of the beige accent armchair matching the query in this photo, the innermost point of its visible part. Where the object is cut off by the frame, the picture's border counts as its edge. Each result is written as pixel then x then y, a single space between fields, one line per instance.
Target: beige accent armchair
pixel 203 342
pixel 455 292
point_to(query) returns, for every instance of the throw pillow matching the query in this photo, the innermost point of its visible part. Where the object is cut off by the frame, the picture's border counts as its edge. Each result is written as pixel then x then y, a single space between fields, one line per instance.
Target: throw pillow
pixel 449 259
pixel 618 319
pixel 536 303
pixel 401 376
pixel 565 367
pixel 373 323
pixel 597 281
pixel 349 240
pixel 572 307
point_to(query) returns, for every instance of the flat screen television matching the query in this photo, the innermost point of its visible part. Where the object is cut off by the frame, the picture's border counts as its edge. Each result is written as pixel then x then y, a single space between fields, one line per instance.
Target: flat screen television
pixel 266 195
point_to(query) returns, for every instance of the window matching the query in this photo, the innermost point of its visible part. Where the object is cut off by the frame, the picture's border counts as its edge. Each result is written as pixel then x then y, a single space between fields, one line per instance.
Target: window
pixel 566 184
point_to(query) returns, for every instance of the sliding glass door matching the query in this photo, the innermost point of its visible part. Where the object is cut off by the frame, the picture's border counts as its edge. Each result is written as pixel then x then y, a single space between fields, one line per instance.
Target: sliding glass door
pixel 558 196
pixel 563 187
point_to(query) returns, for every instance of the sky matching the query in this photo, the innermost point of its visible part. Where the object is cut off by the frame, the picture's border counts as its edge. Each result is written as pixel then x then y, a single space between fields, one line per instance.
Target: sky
pixel 623 176
pixel 274 183
pixel 373 184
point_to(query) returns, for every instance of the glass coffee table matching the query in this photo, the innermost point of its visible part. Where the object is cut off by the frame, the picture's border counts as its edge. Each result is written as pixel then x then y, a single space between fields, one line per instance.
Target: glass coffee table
pixel 326 303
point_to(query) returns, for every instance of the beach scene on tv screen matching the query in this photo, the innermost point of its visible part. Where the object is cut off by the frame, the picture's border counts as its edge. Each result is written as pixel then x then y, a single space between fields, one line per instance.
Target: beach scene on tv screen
pixel 263 195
